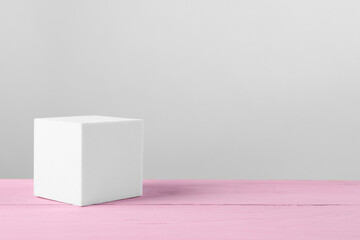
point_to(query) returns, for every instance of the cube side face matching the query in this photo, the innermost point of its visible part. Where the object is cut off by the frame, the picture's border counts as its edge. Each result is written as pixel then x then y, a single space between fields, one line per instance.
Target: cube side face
pixel 57 161
pixel 112 161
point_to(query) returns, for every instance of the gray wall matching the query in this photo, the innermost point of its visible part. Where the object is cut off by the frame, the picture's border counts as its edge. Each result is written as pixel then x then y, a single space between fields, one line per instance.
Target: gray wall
pixel 228 89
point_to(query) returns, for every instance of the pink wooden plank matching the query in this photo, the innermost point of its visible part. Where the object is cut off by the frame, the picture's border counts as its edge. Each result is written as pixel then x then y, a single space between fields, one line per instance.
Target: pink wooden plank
pixel 179 222
pixel 19 191
pixel 250 192
pixel 246 192
pixel 191 209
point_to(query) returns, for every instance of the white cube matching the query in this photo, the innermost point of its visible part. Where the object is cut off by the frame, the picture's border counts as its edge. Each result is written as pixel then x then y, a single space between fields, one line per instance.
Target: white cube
pixel 85 160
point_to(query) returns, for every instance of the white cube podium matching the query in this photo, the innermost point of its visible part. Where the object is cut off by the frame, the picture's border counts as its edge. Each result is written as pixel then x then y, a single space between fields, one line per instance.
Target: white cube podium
pixel 86 160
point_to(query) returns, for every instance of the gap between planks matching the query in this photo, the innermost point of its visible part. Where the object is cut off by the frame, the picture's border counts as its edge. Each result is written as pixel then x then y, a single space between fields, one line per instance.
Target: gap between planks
pixel 200 204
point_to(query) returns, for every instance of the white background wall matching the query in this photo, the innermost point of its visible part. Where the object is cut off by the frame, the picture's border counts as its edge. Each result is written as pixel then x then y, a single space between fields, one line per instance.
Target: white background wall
pixel 228 88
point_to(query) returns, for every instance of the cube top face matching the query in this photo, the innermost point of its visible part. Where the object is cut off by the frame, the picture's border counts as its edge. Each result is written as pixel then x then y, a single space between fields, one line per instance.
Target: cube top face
pixel 98 159
pixel 88 119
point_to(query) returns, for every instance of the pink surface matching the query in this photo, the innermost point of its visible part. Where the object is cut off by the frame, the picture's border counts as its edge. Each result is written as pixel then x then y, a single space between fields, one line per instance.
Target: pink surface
pixel 191 209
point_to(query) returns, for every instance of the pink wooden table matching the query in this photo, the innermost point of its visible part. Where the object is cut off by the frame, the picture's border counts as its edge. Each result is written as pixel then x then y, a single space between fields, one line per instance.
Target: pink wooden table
pixel 191 209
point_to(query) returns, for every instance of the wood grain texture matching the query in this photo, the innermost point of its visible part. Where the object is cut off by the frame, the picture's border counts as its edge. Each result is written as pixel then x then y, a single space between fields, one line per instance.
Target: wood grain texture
pixel 191 209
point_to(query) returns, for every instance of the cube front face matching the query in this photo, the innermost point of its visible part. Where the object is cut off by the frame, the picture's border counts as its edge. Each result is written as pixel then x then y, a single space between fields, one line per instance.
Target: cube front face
pixel 57 161
pixel 88 163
